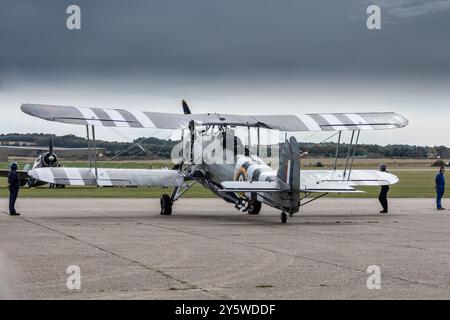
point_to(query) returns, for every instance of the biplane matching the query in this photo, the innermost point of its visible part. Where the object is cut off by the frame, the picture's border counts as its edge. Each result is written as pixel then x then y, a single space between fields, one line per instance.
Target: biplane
pixel 246 181
pixel 45 156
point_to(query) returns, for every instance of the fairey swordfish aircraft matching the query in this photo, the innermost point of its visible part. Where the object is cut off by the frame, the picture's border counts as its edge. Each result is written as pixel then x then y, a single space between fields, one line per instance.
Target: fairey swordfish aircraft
pixel 246 181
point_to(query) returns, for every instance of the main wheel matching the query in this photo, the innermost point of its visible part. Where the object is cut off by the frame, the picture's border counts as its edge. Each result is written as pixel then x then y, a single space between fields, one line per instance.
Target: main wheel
pixel 166 205
pixel 255 207
pixel 283 217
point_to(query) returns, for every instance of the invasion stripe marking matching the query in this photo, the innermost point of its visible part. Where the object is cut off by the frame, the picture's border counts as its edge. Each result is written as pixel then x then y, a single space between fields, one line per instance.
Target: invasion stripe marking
pixel 90 117
pixel 256 174
pixel 351 125
pixel 119 121
pixel 357 119
pixel 60 175
pixel 252 169
pixel 103 178
pixel 144 120
pixel 104 117
pixel 42 174
pixel 132 121
pixel 335 122
pixel 74 176
pixel 309 122
pixel 265 174
pixel 322 122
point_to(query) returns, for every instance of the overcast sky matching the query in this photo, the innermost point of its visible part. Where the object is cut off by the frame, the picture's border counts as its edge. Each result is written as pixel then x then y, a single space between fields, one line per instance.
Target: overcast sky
pixel 246 56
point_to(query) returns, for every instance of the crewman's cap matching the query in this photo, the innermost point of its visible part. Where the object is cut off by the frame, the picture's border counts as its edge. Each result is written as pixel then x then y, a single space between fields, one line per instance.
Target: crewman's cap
pixel 13 166
pixel 383 167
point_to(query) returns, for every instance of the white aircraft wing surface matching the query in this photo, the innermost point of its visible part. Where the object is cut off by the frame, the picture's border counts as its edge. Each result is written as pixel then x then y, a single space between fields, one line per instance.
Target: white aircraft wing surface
pixel 144 119
pixel 329 180
pixel 109 177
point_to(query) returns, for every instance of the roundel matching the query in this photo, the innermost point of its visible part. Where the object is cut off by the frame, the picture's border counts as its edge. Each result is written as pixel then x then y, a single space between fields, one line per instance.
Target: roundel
pixel 242 174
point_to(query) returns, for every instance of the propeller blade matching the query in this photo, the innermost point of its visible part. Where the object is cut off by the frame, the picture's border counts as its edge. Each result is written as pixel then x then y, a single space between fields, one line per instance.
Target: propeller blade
pixel 50 146
pixel 186 109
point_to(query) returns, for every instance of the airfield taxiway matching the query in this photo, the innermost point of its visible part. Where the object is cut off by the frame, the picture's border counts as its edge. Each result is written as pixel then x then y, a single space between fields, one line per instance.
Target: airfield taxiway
pixel 208 250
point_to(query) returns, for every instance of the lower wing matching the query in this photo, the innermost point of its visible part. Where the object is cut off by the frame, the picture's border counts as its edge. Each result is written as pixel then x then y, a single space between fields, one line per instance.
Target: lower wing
pixel 253 186
pixel 337 181
pixel 109 177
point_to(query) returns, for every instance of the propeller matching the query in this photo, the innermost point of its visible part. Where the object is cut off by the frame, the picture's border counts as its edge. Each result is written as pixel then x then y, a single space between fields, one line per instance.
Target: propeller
pixel 50 145
pixel 50 159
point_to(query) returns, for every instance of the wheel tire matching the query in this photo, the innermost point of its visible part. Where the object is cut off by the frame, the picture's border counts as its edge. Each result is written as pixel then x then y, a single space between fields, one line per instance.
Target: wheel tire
pixel 283 217
pixel 255 207
pixel 166 205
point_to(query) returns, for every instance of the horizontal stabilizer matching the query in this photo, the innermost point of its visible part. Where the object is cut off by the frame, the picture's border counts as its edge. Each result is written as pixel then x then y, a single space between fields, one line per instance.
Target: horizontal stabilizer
pixel 109 177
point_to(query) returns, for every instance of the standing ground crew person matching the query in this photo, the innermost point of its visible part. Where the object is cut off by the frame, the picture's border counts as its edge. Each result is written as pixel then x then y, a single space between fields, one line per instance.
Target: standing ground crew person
pixel 440 188
pixel 383 192
pixel 13 186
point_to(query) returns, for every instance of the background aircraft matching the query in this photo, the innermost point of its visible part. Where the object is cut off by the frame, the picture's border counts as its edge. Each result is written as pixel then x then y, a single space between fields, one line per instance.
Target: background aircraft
pixel 45 157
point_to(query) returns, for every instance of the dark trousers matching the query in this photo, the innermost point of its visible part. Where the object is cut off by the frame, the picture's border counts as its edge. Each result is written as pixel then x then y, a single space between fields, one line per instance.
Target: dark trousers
pixel 439 195
pixel 13 192
pixel 383 197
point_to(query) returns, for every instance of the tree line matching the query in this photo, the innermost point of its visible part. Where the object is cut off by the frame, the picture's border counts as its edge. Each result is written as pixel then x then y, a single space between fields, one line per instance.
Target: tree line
pixel 154 148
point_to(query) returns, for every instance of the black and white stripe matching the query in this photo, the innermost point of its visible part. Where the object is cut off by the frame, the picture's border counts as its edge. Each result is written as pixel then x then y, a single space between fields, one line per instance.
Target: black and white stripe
pixel 138 119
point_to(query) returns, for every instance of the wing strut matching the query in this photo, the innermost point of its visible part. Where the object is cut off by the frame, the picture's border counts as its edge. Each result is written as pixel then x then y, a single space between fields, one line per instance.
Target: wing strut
pixel 337 150
pixel 259 141
pixel 348 152
pixel 192 134
pixel 353 156
pixel 92 149
pixel 95 151
pixel 89 146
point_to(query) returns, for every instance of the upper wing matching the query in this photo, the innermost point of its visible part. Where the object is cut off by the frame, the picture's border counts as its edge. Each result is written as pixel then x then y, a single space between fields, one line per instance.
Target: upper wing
pixel 32 151
pixel 320 180
pixel 140 119
pixel 109 177
pixel 22 174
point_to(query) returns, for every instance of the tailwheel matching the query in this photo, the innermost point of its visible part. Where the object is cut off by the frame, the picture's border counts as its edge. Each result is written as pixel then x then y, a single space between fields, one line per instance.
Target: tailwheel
pixel 254 207
pixel 283 217
pixel 166 205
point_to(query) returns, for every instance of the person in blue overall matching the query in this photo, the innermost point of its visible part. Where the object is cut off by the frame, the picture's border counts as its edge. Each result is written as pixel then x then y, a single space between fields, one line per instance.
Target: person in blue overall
pixel 13 186
pixel 440 188
pixel 383 192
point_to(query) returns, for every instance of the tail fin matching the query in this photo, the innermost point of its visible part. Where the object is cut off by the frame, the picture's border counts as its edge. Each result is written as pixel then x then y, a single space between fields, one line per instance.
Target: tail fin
pixel 289 169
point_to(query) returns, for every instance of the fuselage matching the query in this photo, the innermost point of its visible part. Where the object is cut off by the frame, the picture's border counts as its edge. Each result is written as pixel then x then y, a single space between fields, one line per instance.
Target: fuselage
pixel 232 161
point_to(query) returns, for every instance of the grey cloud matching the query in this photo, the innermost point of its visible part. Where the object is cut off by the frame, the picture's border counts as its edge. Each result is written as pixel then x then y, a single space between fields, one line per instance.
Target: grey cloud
pixel 412 8
pixel 220 37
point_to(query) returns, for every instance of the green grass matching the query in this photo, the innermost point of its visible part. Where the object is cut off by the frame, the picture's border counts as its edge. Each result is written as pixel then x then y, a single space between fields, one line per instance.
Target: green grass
pixel 414 183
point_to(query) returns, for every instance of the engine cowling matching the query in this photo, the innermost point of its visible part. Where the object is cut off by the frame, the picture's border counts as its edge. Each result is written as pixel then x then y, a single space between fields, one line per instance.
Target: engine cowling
pixel 49 160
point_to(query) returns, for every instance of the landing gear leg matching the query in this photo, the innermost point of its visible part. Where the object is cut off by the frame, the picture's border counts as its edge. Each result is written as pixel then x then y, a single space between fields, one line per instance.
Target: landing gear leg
pixel 283 217
pixel 166 205
pixel 254 206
